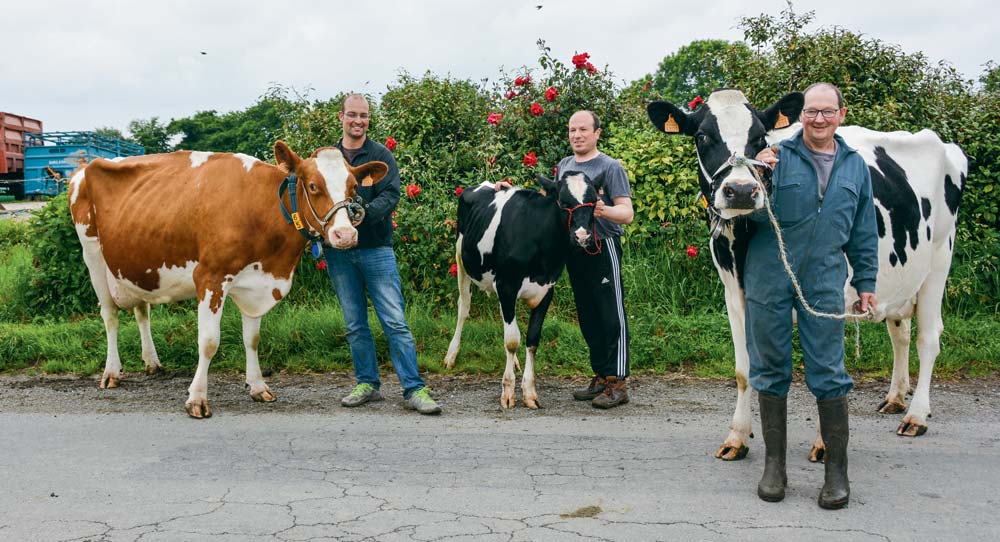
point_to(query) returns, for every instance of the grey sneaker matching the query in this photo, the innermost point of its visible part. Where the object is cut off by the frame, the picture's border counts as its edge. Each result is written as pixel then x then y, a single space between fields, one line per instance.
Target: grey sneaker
pixel 361 394
pixel 422 402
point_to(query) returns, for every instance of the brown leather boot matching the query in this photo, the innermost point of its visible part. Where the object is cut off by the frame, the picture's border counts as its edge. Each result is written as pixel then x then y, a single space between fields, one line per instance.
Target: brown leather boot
pixel 615 393
pixel 595 388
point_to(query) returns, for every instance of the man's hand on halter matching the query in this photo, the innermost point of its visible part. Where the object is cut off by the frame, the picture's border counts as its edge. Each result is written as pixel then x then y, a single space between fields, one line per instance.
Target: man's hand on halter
pixel 600 208
pixel 769 156
pixel 502 185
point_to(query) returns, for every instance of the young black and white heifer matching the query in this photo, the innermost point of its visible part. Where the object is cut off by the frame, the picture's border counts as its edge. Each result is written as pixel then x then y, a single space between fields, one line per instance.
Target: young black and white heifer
pixel 917 182
pixel 515 243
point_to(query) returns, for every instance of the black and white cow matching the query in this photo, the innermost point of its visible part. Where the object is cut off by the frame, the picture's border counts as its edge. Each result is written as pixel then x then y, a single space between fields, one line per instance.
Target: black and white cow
pixel 917 182
pixel 515 243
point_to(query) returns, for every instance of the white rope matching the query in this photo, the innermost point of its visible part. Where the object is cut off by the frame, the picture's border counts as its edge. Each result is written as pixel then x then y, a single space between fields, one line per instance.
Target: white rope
pixel 783 254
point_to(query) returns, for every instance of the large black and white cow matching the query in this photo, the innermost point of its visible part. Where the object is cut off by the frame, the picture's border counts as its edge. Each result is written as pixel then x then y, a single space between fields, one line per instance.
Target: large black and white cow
pixel 515 243
pixel 917 182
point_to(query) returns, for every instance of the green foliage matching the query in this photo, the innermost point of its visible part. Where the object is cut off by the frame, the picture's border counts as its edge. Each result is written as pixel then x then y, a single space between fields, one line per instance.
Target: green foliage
pixel 60 284
pixel 693 70
pixel 153 135
pixel 13 233
pixel 109 131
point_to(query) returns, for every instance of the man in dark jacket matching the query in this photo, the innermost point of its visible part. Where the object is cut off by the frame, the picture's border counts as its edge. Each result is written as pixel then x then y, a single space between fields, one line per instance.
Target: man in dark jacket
pixel 822 198
pixel 371 267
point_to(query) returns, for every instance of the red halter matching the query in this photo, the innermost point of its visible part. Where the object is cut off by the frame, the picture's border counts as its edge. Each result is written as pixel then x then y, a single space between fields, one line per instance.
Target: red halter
pixel 569 224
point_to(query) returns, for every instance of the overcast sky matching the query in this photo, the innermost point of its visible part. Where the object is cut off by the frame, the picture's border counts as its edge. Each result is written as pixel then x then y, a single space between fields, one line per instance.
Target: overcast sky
pixel 78 65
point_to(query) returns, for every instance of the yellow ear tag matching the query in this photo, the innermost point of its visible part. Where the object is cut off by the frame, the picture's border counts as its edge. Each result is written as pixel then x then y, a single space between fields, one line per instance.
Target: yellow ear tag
pixel 296 221
pixel 671 126
pixel 704 202
pixel 782 121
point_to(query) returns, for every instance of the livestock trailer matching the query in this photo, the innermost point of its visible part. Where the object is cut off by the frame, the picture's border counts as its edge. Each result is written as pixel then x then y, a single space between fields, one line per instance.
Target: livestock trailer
pixel 51 157
pixel 12 129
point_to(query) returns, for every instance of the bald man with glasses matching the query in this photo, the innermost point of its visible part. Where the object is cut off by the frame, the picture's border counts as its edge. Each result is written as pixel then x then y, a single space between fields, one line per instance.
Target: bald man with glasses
pixel 821 194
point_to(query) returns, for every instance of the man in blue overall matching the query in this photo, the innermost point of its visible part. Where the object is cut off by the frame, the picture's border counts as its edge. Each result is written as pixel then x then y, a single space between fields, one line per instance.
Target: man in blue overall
pixel 822 198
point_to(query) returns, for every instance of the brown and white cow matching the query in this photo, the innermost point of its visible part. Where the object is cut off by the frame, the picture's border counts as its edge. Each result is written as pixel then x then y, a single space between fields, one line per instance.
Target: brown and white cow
pixel 917 181
pixel 167 227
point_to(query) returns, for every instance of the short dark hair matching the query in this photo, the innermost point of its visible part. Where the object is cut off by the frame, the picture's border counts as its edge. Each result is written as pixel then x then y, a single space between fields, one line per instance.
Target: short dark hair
pixel 348 96
pixel 597 120
pixel 831 86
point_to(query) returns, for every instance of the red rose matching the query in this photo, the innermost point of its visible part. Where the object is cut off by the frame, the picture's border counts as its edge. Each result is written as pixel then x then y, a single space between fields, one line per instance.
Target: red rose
pixel 394 225
pixel 453 270
pixel 321 265
pixel 510 95
pixel 494 118
pixel 518 82
pixel 536 109
pixel 522 81
pixel 692 251
pixel 458 190
pixel 580 60
pixel 412 190
pixel 693 104
pixel 555 172
pixel 551 93
pixel 530 159
pixel 591 68
pixel 390 143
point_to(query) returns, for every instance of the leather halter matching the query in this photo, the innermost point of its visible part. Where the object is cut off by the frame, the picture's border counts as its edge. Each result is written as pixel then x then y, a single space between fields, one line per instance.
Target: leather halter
pixel 354 207
pixel 569 224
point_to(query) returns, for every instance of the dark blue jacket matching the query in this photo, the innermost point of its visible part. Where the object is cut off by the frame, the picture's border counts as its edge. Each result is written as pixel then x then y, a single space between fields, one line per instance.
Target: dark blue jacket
pixel 380 198
pixel 817 236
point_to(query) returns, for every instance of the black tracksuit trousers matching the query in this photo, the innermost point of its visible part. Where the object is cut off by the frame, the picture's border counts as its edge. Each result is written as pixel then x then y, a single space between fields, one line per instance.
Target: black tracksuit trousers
pixel 600 306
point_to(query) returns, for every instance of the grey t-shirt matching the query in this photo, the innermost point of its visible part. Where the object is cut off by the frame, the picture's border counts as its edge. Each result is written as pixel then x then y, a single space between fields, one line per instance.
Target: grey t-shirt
pixel 615 184
pixel 823 163
pixel 349 154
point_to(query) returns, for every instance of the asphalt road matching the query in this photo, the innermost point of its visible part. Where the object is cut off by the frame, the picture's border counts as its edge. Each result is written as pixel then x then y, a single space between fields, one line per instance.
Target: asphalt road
pixel 78 463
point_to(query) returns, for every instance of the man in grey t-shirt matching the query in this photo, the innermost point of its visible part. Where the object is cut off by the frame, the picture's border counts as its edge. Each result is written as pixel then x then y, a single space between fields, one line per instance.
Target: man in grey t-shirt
pixel 596 278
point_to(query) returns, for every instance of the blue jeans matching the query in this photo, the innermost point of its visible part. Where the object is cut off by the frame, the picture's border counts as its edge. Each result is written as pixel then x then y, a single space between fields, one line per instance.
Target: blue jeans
pixel 353 272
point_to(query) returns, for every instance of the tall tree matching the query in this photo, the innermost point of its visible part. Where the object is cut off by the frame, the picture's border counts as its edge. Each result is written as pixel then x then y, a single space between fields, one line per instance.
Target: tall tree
pixel 153 135
pixel 693 70
pixel 109 131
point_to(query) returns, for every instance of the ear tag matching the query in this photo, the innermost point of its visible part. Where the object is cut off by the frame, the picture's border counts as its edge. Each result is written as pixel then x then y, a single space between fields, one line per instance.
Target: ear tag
pixel 782 121
pixel 671 126
pixel 297 221
pixel 703 200
pixel 317 249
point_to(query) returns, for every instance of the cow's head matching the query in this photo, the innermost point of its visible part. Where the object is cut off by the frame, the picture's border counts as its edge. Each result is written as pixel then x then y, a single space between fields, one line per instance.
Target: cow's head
pixel 727 130
pixel 577 195
pixel 327 188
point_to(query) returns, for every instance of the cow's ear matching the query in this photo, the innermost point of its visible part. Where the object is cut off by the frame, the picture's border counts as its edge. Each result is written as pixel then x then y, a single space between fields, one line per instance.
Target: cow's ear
pixel 285 156
pixel 669 119
pixel 784 112
pixel 598 182
pixel 370 173
pixel 551 187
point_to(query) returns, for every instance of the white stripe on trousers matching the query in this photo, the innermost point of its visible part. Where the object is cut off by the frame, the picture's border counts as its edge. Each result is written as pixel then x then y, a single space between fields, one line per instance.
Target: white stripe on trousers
pixel 619 302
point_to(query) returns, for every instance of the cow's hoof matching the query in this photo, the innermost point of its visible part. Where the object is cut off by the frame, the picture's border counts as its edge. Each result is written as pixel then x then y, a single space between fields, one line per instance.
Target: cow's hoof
pixel 911 429
pixel 533 404
pixel 264 396
pixel 816 454
pixel 727 452
pixel 198 409
pixel 109 381
pixel 892 407
pixel 154 370
pixel 507 401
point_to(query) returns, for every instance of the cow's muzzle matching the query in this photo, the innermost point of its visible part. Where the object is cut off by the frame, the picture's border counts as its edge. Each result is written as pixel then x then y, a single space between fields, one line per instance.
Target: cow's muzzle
pixel 738 195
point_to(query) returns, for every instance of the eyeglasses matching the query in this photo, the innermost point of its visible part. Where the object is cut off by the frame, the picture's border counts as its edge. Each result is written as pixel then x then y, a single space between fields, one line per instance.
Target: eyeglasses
pixel 353 115
pixel 827 113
